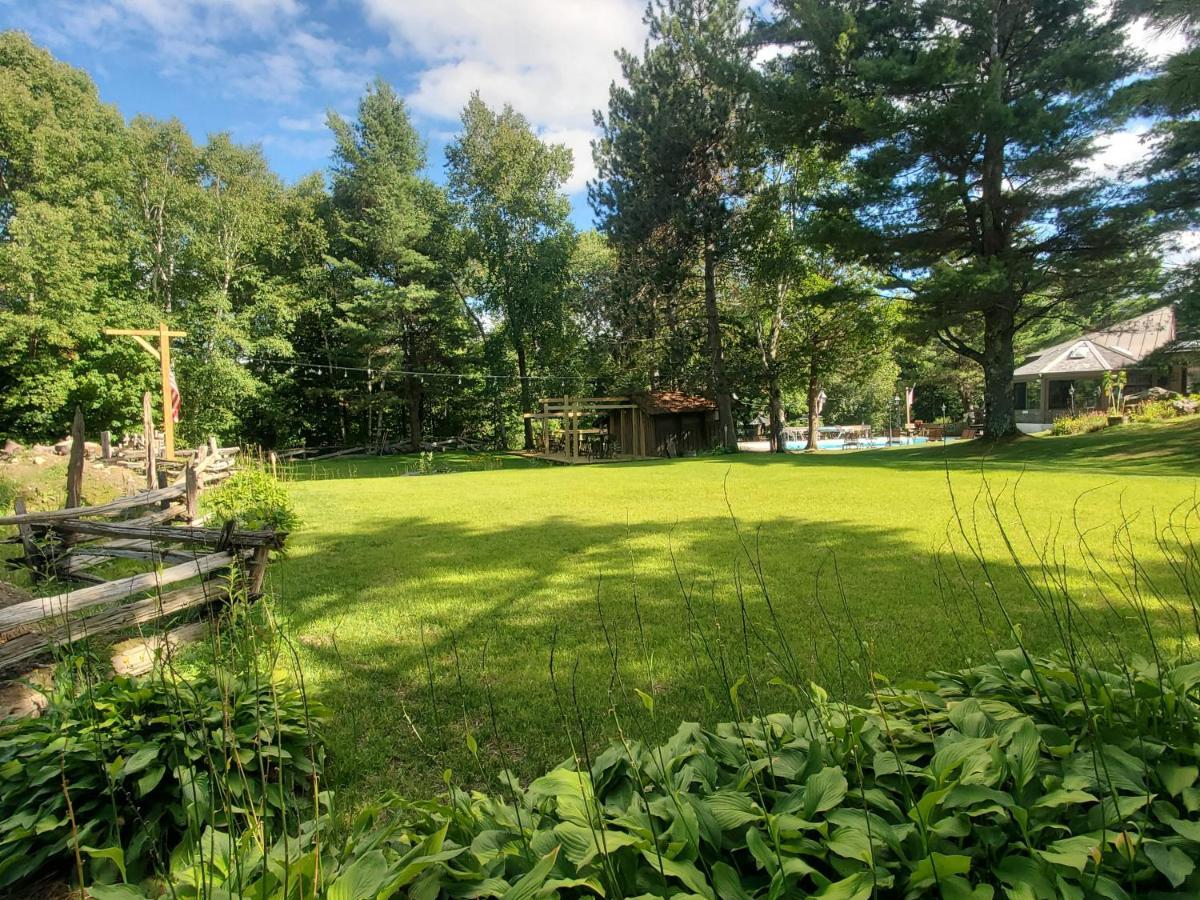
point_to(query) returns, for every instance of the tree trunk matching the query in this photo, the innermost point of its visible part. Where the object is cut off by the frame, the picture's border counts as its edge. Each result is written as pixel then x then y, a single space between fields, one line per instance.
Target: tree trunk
pixel 998 365
pixel 720 380
pixel 775 412
pixel 412 398
pixel 526 395
pixel 814 418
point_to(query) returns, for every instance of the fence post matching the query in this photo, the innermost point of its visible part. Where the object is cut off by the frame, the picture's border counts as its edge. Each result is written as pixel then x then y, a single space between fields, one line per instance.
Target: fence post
pixel 162 483
pixel 258 571
pixel 192 487
pixel 148 429
pixel 274 461
pixel 75 466
pixel 106 445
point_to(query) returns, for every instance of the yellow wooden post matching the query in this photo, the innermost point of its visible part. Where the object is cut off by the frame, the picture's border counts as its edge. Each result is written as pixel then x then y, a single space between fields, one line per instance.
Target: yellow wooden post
pixel 162 353
pixel 164 365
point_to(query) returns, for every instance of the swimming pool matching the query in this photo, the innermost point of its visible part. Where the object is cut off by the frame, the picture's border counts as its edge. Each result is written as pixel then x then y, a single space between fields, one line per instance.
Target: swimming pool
pixel 865 443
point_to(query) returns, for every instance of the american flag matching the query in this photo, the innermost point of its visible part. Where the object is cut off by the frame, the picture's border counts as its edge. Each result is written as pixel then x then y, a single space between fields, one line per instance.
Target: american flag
pixel 175 404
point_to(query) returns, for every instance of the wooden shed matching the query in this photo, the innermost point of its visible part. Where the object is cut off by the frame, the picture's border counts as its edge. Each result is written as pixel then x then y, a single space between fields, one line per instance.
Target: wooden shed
pixel 673 423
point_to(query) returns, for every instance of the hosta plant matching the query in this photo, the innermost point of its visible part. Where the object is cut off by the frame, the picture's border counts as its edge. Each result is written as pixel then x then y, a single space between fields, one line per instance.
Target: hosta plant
pixel 1021 778
pixel 116 772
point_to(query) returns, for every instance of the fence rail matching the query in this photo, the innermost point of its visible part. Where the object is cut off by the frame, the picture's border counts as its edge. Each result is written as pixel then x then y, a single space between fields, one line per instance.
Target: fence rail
pixel 184 565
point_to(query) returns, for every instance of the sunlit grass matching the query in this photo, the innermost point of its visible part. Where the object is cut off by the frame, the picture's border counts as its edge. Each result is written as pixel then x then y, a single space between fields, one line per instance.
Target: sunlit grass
pixel 394 577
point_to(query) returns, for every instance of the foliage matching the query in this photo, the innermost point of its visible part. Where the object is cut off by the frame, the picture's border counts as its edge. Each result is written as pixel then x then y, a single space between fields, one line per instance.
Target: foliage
pixel 968 128
pixel 517 240
pixel 1113 387
pixel 1037 777
pixel 1084 423
pixel 145 761
pixel 672 160
pixel 253 499
pixel 1154 411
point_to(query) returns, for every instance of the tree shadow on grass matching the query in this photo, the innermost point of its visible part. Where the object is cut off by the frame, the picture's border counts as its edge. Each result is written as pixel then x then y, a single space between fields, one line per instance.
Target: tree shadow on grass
pixel 415 631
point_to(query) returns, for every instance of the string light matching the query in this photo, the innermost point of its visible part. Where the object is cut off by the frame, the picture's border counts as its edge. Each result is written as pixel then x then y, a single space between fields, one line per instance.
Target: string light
pixel 316 367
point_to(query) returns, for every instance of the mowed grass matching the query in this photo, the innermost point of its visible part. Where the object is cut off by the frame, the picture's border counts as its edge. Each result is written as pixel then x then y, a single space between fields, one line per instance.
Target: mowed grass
pixel 424 608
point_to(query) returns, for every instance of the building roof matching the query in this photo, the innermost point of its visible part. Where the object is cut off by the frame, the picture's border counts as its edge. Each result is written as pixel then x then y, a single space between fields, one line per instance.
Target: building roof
pixel 1116 347
pixel 656 403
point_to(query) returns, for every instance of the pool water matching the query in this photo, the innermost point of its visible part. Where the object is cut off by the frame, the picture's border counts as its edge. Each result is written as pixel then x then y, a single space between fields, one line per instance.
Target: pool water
pixel 839 444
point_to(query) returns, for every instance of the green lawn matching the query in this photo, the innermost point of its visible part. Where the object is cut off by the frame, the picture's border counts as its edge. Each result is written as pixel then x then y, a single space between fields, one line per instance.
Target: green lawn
pixel 391 571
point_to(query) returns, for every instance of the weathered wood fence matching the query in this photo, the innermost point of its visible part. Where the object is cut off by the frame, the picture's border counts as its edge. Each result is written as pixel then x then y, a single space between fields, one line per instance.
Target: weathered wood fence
pixel 69 545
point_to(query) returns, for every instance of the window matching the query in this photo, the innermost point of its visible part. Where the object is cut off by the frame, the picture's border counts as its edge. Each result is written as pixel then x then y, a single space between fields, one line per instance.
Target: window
pixel 1060 394
pixel 1027 394
pixel 1079 351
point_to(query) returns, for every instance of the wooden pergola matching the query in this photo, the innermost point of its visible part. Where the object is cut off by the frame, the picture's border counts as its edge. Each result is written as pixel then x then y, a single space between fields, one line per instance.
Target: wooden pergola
pixel 572 412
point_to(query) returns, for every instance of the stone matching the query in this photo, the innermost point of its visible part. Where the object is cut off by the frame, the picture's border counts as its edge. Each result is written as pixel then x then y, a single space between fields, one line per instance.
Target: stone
pixel 38 460
pixel 63 447
pixel 11 447
pixel 91 449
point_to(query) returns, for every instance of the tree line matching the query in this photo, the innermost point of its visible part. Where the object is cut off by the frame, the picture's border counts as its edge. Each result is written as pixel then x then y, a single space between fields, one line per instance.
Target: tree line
pixel 809 209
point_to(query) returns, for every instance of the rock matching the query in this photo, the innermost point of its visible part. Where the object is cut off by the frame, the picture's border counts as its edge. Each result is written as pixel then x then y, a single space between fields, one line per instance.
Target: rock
pixel 1186 407
pixel 38 460
pixel 11 447
pixel 91 449
pixel 1154 393
pixel 42 449
pixel 63 447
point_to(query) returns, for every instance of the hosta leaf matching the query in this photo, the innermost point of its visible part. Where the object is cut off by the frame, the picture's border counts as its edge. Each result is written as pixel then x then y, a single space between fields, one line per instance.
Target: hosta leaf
pixel 733 809
pixel 582 844
pixel 823 791
pixel 115 854
pixel 1024 872
pixel 1075 852
pixel 150 779
pixel 1185 828
pixel 852 843
pixel 1171 861
pixel 531 883
pixel 1176 778
pixel 365 877
pixel 858 886
pixel 1022 753
pixel 681 870
pixel 115 892
pixel 140 759
pixel 938 867
pixel 727 883
pixel 1062 797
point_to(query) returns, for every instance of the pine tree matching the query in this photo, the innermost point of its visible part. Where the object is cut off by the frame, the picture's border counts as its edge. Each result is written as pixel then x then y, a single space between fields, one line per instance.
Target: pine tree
pixel 968 125
pixel 670 159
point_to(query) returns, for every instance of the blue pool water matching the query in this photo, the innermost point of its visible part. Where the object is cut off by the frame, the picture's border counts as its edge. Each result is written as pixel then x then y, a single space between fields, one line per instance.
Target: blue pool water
pixel 837 444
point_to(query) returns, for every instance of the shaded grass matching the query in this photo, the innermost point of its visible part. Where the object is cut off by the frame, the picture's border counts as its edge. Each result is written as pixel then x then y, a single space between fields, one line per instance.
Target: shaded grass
pixel 397 589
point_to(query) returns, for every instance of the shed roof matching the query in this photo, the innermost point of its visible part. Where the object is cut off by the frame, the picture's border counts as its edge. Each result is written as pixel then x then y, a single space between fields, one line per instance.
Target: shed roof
pixel 656 403
pixel 1116 347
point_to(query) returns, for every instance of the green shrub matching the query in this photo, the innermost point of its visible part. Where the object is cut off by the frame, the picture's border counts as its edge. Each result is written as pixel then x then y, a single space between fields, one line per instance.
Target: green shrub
pixel 1154 411
pixel 1084 423
pixel 253 499
pixel 145 762
pixel 1018 778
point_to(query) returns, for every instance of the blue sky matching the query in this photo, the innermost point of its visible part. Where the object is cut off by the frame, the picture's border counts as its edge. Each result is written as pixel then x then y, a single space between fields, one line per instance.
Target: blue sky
pixel 266 70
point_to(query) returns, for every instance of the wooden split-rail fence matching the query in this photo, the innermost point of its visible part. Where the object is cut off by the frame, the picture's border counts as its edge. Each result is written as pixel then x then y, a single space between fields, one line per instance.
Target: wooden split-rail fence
pixel 184 566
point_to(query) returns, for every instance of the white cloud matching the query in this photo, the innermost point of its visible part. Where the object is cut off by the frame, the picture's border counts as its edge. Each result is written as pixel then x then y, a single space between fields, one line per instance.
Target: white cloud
pixel 1156 43
pixel 259 49
pixel 552 60
pixel 1118 151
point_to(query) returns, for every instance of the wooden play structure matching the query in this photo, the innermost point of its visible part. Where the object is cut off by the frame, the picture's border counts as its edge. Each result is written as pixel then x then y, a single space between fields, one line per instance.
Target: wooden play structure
pixel 642 425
